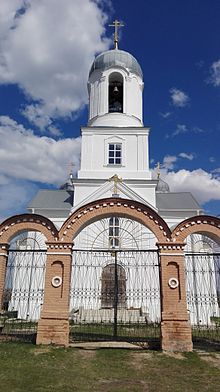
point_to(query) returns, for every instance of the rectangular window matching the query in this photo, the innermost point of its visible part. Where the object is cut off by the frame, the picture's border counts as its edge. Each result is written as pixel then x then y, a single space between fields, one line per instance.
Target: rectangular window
pixel 114 154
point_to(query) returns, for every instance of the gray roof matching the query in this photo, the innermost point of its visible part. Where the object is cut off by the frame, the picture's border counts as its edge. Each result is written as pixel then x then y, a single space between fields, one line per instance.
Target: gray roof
pixel 117 57
pixel 52 199
pixel 176 201
pixel 63 200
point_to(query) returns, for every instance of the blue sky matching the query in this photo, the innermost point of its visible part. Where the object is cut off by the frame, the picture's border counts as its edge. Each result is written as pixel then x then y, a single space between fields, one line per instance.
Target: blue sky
pixel 46 49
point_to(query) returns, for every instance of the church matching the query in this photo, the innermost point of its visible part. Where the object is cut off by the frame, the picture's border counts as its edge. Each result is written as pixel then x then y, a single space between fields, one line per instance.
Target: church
pixel 115 278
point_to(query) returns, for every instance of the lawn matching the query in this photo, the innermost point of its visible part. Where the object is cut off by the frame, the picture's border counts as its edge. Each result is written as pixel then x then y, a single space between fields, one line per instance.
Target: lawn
pixel 30 368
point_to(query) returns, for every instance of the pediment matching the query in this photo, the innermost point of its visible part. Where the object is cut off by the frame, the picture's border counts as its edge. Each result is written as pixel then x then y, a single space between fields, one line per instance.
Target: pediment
pixel 106 190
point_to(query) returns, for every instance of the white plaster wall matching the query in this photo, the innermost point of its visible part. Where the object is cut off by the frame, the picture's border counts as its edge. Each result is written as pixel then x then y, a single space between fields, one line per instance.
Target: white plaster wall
pixel 85 191
pixel 135 158
pixel 98 97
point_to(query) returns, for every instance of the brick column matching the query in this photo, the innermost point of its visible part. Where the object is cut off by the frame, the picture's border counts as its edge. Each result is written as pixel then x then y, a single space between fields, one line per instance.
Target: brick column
pixel 3 263
pixel 53 326
pixel 176 331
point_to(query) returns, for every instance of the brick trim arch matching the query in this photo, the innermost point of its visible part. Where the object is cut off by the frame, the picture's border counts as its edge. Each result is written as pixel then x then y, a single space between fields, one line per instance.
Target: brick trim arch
pixel 27 222
pixel 114 206
pixel 200 224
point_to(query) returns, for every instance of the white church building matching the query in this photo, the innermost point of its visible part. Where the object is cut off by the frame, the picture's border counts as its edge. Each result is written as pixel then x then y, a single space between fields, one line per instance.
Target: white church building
pixel 115 163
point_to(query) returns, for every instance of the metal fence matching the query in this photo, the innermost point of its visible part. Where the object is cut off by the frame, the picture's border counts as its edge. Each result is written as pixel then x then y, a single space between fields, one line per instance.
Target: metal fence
pixel 203 295
pixel 23 294
pixel 115 295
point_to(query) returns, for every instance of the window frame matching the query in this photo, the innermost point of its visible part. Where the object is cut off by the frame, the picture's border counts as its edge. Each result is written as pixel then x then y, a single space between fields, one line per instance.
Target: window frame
pixel 115 154
pixel 114 140
pixel 114 232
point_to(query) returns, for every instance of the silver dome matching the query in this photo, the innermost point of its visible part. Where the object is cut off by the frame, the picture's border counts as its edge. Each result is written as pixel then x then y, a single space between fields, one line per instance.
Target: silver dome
pixel 116 57
pixel 162 186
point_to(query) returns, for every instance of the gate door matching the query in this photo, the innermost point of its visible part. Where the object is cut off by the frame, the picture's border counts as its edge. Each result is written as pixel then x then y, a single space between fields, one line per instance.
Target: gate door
pixel 115 295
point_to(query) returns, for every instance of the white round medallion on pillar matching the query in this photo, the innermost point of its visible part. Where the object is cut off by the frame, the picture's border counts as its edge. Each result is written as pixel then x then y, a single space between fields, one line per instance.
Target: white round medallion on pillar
pixel 56 281
pixel 173 283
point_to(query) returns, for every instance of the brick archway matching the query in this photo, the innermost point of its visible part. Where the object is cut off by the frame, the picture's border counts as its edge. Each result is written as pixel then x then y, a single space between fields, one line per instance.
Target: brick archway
pixel 16 225
pixel 27 222
pixel 200 224
pixel 114 206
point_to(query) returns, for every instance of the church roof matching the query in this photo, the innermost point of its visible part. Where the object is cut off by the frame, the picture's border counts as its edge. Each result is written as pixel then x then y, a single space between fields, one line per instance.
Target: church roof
pixel 176 201
pixel 116 57
pixel 62 200
pixel 47 199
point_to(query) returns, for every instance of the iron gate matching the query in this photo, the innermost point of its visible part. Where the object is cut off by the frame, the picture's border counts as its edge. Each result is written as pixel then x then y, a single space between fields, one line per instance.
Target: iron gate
pixel 115 295
pixel 23 294
pixel 203 295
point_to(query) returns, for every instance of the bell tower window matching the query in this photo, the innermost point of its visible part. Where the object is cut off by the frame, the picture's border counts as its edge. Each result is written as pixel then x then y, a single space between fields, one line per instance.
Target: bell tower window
pixel 115 93
pixel 114 154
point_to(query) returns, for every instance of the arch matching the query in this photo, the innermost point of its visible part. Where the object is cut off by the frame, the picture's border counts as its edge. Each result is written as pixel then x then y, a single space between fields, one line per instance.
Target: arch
pixel 104 208
pixel 200 224
pixel 27 222
pixel 115 93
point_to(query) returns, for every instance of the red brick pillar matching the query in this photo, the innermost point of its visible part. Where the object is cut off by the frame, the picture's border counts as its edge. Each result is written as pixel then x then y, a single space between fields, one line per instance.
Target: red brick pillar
pixel 53 326
pixel 3 264
pixel 176 331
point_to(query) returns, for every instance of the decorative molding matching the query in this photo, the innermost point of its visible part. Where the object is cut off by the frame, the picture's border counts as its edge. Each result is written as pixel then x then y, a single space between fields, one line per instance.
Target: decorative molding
pixel 196 222
pixel 60 253
pixel 126 204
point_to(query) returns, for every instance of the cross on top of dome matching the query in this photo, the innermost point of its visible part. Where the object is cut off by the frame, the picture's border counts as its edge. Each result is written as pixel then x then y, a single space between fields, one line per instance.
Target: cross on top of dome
pixel 116 24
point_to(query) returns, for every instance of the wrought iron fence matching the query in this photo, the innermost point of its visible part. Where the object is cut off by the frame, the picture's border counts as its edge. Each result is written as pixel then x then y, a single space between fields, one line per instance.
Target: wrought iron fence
pixel 115 295
pixel 203 295
pixel 23 294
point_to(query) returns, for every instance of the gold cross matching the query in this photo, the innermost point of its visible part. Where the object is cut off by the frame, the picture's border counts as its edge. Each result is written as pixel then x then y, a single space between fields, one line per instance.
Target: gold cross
pixel 116 24
pixel 116 180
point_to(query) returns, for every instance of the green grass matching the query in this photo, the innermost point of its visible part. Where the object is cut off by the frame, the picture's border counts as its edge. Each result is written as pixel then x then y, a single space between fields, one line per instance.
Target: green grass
pixel 29 368
pixel 124 331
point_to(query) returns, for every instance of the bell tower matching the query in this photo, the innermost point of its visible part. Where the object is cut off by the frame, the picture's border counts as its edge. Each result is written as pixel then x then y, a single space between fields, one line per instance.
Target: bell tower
pixel 115 141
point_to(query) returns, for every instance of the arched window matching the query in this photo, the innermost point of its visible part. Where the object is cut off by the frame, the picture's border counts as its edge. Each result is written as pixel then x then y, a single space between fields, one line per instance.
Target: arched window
pixel 115 93
pixel 114 232
pixel 113 291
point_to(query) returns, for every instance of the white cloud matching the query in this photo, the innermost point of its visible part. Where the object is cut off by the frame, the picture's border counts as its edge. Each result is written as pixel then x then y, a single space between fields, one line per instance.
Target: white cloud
pixel 179 98
pixel 184 155
pixel 166 114
pixel 215 73
pixel 26 156
pixel 203 185
pixel 182 128
pixel 168 162
pixel 47 49
pixel 14 197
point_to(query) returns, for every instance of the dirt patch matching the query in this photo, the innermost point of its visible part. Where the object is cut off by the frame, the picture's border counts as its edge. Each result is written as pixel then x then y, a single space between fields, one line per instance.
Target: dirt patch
pixel 212 359
pixel 86 354
pixel 138 359
pixel 109 385
pixel 174 355
pixel 41 350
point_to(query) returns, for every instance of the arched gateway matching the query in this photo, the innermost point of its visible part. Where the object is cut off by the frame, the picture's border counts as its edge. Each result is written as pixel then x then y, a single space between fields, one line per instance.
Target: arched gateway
pixel 54 323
